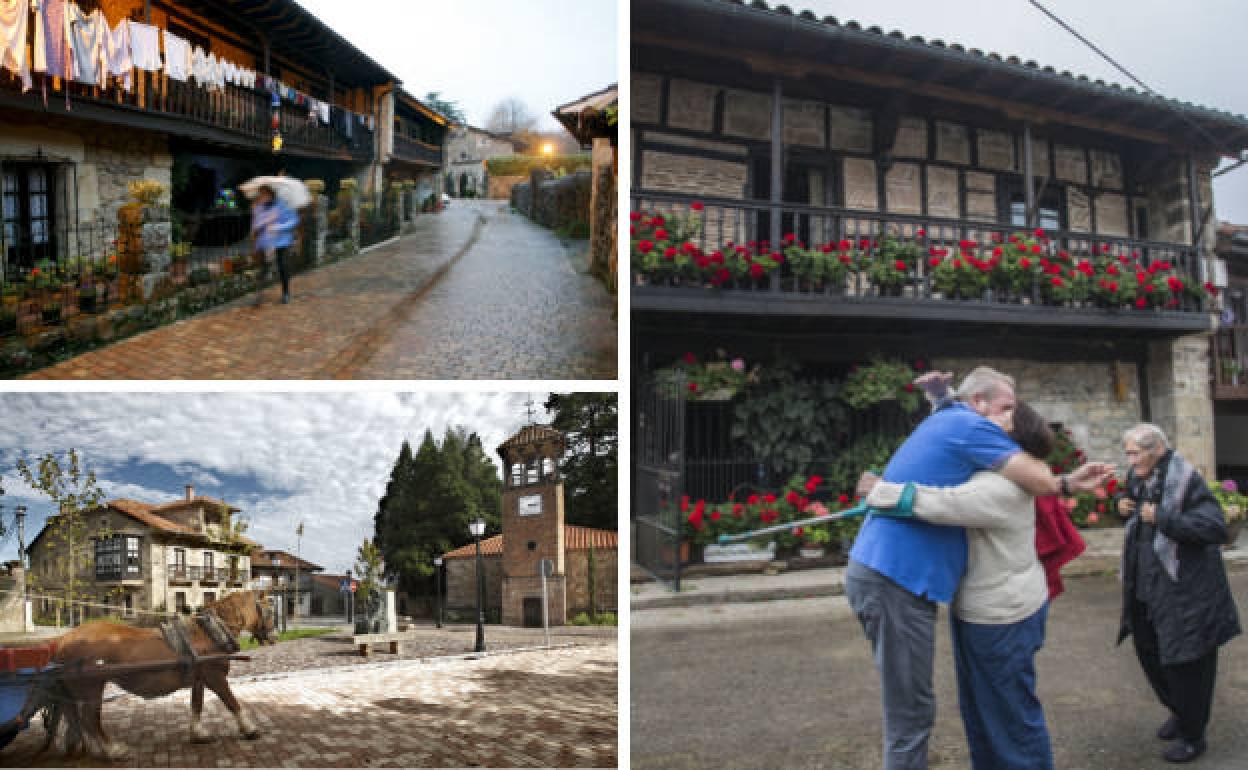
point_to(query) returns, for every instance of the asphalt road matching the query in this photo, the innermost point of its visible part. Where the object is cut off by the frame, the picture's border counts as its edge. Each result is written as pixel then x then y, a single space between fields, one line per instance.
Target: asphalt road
pixel 790 684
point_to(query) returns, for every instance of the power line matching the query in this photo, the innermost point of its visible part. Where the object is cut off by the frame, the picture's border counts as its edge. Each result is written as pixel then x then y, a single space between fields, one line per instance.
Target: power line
pixel 1221 148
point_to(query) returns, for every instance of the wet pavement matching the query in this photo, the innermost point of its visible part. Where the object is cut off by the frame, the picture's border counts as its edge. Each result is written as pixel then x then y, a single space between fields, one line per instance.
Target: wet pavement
pixel 474 292
pixel 538 708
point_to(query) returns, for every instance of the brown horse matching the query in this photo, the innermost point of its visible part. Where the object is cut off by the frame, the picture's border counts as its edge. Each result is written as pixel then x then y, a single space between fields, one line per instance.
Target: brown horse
pixel 88 652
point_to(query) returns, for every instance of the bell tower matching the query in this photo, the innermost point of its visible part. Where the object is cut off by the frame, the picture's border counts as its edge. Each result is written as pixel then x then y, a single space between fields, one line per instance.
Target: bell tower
pixel 532 524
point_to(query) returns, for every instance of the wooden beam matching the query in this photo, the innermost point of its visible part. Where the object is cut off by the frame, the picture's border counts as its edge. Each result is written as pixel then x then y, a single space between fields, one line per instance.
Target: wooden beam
pixel 768 64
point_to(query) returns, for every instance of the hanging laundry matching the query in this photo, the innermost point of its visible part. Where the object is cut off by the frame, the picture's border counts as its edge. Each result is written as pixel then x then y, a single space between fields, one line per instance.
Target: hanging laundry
pixel 117 56
pixel 199 61
pixel 51 44
pixel 177 57
pixel 87 34
pixel 323 109
pixel 144 46
pixel 14 18
pixel 214 71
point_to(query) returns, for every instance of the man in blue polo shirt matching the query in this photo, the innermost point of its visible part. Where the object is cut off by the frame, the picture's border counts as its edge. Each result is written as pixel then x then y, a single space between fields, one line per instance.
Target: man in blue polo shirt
pixel 900 568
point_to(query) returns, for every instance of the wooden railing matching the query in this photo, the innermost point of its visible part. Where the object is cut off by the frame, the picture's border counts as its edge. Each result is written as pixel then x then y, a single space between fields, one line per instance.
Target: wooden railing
pixel 416 151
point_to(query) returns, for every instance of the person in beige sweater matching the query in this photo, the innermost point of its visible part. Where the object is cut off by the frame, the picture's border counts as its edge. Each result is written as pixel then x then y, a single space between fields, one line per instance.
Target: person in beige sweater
pixel 1000 608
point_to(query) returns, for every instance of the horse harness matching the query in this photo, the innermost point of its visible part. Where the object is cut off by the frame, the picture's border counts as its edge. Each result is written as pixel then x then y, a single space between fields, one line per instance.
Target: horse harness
pixel 177 634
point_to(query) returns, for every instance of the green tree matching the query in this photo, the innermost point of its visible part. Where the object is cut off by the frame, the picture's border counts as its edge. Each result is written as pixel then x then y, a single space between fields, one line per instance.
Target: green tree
pixel 67 537
pixel 429 500
pixel 448 108
pixel 590 467
pixel 368 566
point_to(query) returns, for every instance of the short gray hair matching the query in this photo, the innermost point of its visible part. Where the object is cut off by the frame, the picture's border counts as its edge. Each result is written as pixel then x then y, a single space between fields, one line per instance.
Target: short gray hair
pixel 982 381
pixel 1146 436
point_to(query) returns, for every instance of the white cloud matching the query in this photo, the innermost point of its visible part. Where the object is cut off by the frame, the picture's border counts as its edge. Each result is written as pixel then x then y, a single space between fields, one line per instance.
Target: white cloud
pixel 323 458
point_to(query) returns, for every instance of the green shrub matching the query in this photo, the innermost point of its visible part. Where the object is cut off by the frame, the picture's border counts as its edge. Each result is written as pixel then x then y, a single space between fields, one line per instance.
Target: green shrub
pixel 601 619
pixel 521 165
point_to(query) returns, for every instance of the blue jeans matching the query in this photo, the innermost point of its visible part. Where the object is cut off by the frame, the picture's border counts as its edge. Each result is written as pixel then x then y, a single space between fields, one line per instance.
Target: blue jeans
pixel 901 628
pixel 1004 721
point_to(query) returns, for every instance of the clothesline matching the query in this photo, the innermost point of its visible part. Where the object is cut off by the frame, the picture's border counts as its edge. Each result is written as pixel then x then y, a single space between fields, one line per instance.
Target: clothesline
pixel 82 48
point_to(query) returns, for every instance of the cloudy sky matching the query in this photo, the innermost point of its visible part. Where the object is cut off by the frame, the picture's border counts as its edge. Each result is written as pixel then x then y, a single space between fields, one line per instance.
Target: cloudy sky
pixel 478 52
pixel 320 457
pixel 1190 51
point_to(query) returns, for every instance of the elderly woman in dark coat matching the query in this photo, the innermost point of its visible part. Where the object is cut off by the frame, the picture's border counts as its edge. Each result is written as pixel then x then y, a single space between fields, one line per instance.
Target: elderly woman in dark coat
pixel 1177 605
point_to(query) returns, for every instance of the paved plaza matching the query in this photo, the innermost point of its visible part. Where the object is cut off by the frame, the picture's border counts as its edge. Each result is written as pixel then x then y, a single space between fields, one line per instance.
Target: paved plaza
pixel 552 707
pixel 476 292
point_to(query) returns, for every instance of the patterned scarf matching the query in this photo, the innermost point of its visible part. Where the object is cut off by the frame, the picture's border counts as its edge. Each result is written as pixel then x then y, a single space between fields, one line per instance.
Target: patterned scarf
pixel 1179 474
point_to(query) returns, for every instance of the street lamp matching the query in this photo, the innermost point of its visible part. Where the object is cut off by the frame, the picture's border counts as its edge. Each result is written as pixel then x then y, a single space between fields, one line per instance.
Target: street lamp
pixel 437 588
pixel 281 600
pixel 477 528
pixel 20 511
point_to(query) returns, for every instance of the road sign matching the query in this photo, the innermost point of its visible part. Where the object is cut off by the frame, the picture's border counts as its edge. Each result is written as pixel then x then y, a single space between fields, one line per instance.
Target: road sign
pixel 546 568
pixel 344 585
pixel 354 585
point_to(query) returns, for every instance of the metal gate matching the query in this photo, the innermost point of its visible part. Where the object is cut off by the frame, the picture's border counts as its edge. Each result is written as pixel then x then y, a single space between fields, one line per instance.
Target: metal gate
pixel 658 457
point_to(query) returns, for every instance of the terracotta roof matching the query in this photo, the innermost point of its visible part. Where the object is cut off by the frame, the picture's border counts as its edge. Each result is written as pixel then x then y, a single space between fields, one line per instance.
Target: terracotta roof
pixel 574 539
pixel 330 581
pixel 735 14
pixel 197 500
pixel 264 558
pixel 531 434
pixel 146 514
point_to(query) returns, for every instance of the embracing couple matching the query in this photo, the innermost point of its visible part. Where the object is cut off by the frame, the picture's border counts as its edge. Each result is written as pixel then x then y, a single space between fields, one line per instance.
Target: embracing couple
pixel 977 463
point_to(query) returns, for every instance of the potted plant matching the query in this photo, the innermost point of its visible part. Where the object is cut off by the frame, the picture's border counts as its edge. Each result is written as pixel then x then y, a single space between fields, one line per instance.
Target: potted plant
pixel 1231 369
pixel 1234 507
pixel 696 380
pixel 881 380
pixel 815 539
pixel 893 265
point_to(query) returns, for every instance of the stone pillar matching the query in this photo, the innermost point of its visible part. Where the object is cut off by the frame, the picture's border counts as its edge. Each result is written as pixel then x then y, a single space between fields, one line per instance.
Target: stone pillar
pixel 156 238
pixel 392 619
pixel 1179 397
pixel 316 229
pixel 353 219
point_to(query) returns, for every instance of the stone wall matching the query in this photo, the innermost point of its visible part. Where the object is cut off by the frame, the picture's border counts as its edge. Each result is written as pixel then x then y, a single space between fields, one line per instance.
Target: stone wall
pixel 501 186
pixel 1178 384
pixel 461 585
pixel 13 601
pixel 559 202
pixel 606 586
pixel 517 589
pixel 1096 401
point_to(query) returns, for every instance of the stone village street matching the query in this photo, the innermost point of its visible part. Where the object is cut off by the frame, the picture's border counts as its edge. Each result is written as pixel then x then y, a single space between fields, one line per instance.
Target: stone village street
pixel 526 707
pixel 790 684
pixel 476 292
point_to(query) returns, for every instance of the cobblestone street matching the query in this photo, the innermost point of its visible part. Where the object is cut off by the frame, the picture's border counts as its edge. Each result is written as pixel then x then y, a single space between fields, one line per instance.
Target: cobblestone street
pixel 533 708
pixel 475 292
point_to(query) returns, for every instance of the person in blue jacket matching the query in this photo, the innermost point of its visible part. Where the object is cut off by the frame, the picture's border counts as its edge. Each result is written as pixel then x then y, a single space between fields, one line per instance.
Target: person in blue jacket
pixel 273 226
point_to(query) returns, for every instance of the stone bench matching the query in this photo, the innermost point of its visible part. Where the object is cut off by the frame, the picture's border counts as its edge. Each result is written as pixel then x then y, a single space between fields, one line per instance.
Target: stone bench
pixel 365 641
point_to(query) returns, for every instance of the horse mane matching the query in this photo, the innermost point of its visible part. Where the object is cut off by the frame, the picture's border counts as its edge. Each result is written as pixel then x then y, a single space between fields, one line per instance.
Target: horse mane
pixel 237 610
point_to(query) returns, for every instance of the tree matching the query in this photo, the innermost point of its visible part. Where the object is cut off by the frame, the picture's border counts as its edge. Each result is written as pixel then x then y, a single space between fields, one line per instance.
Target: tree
pixel 368 566
pixel 511 116
pixel 448 108
pixel 66 536
pixel 589 469
pixel 429 500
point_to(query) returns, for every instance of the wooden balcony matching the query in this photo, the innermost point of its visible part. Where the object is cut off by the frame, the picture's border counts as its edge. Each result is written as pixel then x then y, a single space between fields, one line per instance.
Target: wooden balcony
pixel 782 294
pixel 415 151
pixel 234 116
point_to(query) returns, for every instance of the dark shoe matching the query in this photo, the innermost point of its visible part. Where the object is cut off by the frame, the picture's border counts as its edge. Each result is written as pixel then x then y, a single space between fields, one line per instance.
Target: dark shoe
pixel 1182 751
pixel 1170 730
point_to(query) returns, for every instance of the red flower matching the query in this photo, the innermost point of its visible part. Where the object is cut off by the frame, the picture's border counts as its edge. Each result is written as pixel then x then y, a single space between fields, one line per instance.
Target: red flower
pixel 792 497
pixel 1209 287
pixel 1141 303
pixel 769 498
pixel 699 506
pixel 789 237
pixel 846 245
pixel 757 270
pixel 920 233
pixel 1112 270
pixel 644 246
pixel 845 259
pixel 693 387
pixel 1037 249
pixel 717 257
pixel 684 503
pixel 1105 248
pixel 696 205
pixel 843 499
pixel 909 387
pixel 689 358
pixel 695 519
pixel 715 515
pixel 658 221
pixel 1111 486
pixel 777 257
pixel 1024 263
pixel 998 251
pixel 812 484
pixel 669 252
pixel 799 532
pixel 738 510
pixel 1039 232
pixel 1093 518
pixel 752 499
pixel 934 262
pixel 1057 282
pixel 920 365
pixel 900 265
pixel 957 263
pixel 660 234
pixel 864 243
pixel 635 216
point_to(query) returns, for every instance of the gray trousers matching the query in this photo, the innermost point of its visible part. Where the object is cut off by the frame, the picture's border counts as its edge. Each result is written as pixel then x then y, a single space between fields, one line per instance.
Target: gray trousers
pixel 901 629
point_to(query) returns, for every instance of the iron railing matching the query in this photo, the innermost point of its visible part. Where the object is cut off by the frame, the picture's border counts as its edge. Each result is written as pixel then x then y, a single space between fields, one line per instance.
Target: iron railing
pixel 189 573
pixel 658 455
pixel 727 223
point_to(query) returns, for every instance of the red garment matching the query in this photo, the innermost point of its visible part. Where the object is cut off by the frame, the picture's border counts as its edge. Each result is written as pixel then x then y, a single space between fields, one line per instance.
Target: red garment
pixel 1057 541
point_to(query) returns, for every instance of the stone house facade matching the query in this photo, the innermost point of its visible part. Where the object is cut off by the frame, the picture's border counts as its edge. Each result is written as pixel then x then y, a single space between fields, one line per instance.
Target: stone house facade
pixel 133 557
pixel 278 572
pixel 467 150
pixel 66 160
pixel 821 130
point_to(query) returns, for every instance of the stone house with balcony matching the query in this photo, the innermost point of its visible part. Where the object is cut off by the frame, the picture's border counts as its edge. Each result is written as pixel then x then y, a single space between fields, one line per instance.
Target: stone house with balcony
pixel 467 150
pixel 793 130
pixel 417 148
pixel 69 149
pixel 278 571
pixel 137 557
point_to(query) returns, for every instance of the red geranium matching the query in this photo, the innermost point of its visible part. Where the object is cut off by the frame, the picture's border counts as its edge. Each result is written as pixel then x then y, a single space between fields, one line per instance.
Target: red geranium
pixel 696 205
